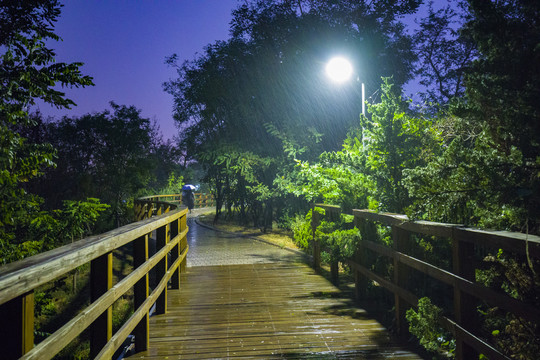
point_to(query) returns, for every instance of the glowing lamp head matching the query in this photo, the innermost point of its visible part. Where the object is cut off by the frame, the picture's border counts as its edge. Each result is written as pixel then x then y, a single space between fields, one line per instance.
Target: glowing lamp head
pixel 339 69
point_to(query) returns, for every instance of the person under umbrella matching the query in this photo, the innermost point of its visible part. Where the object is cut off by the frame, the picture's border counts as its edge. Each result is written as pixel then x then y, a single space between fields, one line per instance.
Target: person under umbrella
pixel 188 198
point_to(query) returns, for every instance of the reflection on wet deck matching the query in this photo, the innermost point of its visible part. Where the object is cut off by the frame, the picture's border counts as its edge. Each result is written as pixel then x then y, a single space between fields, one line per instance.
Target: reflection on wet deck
pixel 280 310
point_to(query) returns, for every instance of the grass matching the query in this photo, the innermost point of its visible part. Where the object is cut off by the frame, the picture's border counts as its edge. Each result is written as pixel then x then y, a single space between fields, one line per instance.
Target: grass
pixel 276 236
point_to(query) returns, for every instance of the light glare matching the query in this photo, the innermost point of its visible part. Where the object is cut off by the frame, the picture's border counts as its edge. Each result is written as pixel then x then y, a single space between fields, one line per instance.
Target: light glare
pixel 339 69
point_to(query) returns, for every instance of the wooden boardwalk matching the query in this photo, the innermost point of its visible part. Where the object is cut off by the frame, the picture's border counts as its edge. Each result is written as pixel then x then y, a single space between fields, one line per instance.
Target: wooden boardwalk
pixel 280 310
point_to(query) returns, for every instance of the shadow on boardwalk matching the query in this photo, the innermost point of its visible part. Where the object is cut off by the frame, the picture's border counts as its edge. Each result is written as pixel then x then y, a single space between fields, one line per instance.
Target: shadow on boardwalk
pixel 241 298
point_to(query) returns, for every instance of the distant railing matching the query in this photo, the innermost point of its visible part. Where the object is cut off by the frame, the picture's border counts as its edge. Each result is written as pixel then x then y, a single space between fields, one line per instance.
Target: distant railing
pixel 151 204
pixel 18 281
pixel 461 278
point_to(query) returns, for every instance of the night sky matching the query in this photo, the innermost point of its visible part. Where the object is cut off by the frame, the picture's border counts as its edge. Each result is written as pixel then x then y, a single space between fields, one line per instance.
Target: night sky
pixel 124 43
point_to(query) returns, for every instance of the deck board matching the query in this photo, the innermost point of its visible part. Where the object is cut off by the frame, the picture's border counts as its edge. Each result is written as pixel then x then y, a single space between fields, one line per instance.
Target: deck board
pixel 267 311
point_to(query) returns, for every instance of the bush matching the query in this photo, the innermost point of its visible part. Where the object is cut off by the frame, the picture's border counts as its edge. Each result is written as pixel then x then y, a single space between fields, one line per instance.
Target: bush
pixel 302 232
pixel 424 324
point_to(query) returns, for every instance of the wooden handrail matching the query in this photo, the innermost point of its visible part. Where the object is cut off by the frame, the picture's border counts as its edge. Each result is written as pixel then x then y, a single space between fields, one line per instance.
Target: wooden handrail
pixel 18 281
pixel 143 205
pixel 461 278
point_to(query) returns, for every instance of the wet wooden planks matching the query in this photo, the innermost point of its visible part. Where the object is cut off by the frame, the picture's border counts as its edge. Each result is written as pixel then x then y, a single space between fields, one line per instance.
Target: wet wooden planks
pixel 278 310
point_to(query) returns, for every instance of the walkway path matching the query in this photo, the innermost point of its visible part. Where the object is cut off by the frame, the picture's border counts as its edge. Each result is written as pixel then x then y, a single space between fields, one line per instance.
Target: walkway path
pixel 242 298
pixel 208 247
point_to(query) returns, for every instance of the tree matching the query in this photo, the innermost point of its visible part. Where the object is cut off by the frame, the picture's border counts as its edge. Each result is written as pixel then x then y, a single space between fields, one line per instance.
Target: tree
pixel 503 84
pixel 487 171
pixel 445 52
pixel 267 84
pixel 369 170
pixel 110 155
pixel 169 165
pixel 27 72
pixel 395 140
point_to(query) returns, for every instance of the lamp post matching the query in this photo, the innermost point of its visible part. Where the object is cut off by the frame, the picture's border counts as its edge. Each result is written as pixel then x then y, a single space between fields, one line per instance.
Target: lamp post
pixel 340 70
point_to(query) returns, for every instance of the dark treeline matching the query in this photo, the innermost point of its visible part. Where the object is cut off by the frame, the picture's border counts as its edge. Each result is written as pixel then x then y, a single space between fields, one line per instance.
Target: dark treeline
pixel 64 179
pixel 112 155
pixel 98 164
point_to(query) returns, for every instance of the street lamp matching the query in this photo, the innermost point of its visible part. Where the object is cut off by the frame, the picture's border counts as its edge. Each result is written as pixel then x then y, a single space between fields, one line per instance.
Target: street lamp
pixel 340 70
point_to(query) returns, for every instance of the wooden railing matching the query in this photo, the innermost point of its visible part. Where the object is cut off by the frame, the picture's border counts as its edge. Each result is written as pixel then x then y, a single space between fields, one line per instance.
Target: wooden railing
pixel 467 293
pixel 149 204
pixel 19 280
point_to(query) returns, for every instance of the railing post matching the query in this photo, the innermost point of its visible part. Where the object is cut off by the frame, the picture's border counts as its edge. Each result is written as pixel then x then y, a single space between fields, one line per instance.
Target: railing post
pixel 175 253
pixel 360 282
pixel 162 238
pixel 137 210
pixel 100 282
pixel 334 271
pixel 183 242
pixel 401 274
pixel 141 290
pixel 334 214
pixel 17 333
pixel 464 304
pixel 315 222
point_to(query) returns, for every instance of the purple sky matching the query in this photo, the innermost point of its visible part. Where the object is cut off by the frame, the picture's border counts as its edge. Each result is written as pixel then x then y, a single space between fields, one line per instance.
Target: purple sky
pixel 123 45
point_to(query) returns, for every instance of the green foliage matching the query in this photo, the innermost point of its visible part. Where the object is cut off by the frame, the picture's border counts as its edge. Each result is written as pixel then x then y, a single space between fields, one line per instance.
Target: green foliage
pixel 302 231
pixel 173 185
pixel 368 171
pixel 49 229
pixel 486 169
pixel 27 72
pixel 507 69
pixel 109 155
pixel 341 244
pixel 424 324
pixel 336 244
pixel 122 310
pixel 334 180
pixel 394 141
pixel 242 179
pixel 517 277
pixel 469 183
pixel 262 97
pixel 78 216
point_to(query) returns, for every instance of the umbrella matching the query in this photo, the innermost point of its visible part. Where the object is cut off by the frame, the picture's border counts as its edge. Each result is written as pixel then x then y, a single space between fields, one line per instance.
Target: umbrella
pixel 188 187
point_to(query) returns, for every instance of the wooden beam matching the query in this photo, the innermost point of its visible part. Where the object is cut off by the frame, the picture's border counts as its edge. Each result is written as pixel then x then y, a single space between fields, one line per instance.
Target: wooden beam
pixel 175 253
pixel 101 274
pixel 401 240
pixel 162 239
pixel 511 241
pixel 17 331
pixel 464 303
pixel 63 336
pixel 127 328
pixel 470 287
pixel 316 246
pixel 141 290
pixel 19 277
pixel 183 241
